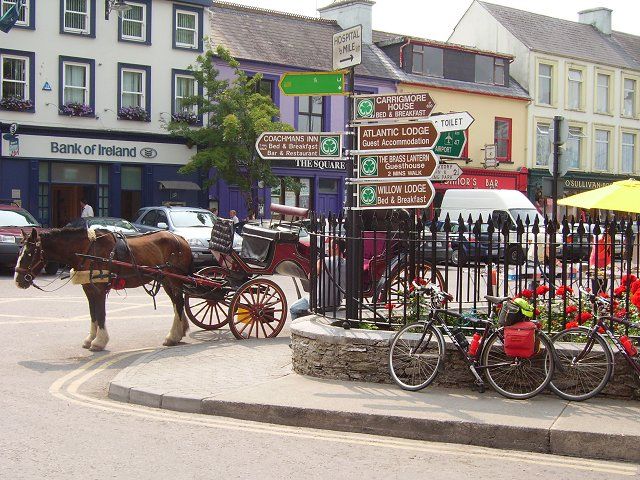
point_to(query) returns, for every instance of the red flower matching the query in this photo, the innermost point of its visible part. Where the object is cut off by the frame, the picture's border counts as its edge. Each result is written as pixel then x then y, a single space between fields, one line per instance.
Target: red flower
pixel 570 309
pixel 621 313
pixel 563 290
pixel 526 293
pixel 542 290
pixel 603 295
pixel 571 325
pixel 636 299
pixel 536 312
pixel 635 286
pixel 619 291
pixel 583 317
pixel 601 330
pixel 628 279
pixel 389 306
pixel 420 281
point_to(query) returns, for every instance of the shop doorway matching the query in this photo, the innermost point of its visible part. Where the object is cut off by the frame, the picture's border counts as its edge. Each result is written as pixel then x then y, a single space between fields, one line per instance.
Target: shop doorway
pixel 65 202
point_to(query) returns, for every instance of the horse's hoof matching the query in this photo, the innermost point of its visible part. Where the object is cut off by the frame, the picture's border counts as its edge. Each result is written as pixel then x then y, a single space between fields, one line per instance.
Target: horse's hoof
pixel 86 344
pixel 96 348
pixel 169 343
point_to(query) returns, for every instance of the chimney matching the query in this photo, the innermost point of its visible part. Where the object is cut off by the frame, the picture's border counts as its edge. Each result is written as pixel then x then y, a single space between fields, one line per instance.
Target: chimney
pixel 598 17
pixel 349 13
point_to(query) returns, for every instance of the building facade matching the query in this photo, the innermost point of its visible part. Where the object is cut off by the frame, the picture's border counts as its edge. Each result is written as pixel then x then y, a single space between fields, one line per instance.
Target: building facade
pixel 83 102
pixel 582 71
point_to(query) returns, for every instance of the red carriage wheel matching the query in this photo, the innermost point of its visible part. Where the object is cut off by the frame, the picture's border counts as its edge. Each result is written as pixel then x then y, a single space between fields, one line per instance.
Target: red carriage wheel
pixel 209 313
pixel 258 310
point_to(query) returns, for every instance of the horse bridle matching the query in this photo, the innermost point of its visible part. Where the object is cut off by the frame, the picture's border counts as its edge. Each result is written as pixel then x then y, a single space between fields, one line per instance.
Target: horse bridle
pixel 29 273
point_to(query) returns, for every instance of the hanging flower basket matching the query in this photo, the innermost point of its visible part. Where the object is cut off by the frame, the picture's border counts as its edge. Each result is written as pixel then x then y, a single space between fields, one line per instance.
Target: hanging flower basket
pixel 186 117
pixel 15 104
pixel 76 110
pixel 133 113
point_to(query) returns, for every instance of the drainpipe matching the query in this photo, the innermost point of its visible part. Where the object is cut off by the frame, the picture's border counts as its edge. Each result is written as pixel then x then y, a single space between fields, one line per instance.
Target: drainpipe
pixel 407 42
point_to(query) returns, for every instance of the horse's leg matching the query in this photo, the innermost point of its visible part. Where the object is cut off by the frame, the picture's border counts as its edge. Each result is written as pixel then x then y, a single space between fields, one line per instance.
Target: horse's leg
pixel 92 323
pixel 180 325
pixel 102 337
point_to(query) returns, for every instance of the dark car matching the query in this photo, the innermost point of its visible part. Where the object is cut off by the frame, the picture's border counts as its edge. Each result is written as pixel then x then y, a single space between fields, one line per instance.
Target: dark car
pixel 13 218
pixel 470 247
pixel 112 224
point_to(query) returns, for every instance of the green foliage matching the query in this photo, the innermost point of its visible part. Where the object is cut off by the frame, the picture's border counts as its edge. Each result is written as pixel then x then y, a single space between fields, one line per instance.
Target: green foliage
pixel 237 115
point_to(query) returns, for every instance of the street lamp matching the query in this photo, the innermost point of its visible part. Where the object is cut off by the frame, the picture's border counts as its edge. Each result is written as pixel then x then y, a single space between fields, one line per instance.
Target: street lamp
pixel 119 6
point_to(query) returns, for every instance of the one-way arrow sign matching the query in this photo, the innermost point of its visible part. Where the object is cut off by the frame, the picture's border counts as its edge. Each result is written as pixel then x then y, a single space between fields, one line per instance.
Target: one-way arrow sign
pixel 347 48
pixel 452 121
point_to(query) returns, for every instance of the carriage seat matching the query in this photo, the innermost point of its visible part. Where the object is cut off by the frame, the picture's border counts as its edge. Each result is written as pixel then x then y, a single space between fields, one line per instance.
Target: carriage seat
pixel 258 243
pixel 270 233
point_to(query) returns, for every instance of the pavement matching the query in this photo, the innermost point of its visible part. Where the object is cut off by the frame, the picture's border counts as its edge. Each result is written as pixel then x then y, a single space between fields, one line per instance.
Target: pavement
pixel 253 380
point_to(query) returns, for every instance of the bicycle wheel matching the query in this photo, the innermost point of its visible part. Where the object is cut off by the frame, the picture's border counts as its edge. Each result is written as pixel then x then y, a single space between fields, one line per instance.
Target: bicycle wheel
pixel 414 358
pixel 515 377
pixel 585 364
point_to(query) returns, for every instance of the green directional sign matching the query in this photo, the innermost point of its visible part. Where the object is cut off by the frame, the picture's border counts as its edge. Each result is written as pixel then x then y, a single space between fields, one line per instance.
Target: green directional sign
pixel 451 144
pixel 313 83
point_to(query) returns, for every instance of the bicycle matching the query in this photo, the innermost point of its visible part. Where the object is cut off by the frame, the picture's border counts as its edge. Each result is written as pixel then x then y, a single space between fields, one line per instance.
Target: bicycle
pixel 417 351
pixel 585 354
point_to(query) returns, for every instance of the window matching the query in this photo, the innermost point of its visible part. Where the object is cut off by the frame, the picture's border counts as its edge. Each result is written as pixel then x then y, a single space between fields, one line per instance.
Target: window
pixel 629 99
pixel 133 23
pixel 310 113
pixel 132 91
pixel 75 83
pixel 543 147
pixel 602 149
pixel 498 71
pixel 545 79
pixel 76 16
pixel 186 29
pixel 427 61
pixel 294 192
pixel 185 87
pixel 628 152
pixel 502 139
pixel 574 94
pixel 23 19
pixel 266 87
pixel 15 74
pixel 573 147
pixel 602 93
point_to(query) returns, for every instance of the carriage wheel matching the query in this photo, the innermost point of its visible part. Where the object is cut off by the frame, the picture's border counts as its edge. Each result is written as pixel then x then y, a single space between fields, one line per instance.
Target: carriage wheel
pixel 394 288
pixel 258 310
pixel 206 313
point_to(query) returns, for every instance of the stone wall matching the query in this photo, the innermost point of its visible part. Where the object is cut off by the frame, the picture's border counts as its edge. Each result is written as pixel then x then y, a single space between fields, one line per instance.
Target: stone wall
pixel 321 350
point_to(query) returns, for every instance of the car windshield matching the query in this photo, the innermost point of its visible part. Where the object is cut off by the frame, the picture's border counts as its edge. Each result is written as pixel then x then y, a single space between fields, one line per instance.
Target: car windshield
pixel 191 218
pixel 17 218
pixel 114 224
pixel 523 213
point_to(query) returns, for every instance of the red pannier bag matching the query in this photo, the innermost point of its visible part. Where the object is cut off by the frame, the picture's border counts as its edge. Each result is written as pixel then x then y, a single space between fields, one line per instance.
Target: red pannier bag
pixel 520 339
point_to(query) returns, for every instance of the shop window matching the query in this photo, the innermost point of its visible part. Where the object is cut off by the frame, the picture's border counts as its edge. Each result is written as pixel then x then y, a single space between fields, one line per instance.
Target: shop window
pixel 502 139
pixel 327 185
pixel 43 193
pixel 133 23
pixel 187 28
pixel 77 173
pixel 78 17
pixel 310 114
pixel 295 192
pixel 628 152
pixel 543 148
pixel 427 61
pixel 131 191
pixel 103 201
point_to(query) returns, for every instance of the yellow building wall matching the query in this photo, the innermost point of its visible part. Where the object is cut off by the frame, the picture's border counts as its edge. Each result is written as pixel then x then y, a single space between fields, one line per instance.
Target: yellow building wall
pixel 484 109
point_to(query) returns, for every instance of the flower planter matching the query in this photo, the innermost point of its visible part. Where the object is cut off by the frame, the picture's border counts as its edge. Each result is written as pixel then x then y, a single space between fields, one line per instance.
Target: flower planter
pixel 15 104
pixel 185 117
pixel 76 110
pixel 133 113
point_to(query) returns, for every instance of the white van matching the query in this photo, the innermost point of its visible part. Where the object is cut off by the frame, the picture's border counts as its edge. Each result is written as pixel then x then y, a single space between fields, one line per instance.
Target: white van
pixel 496 204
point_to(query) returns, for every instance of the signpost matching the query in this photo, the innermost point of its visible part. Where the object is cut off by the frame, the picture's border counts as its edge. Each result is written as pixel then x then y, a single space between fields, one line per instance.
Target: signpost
pixel 396 136
pixel 446 172
pixel 395 166
pixel 412 193
pixel 452 121
pixel 347 48
pixel 313 83
pixel 451 144
pixel 288 145
pixel 393 107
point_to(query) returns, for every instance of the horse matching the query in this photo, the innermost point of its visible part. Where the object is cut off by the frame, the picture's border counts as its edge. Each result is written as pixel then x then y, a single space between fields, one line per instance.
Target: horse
pixel 166 250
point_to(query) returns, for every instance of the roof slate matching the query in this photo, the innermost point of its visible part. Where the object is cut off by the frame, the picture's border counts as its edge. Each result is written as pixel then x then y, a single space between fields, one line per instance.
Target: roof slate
pixel 285 39
pixel 568 39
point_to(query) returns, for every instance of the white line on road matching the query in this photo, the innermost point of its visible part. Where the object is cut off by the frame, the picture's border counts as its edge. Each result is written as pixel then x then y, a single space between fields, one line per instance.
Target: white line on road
pixel 67 388
pixel 37 320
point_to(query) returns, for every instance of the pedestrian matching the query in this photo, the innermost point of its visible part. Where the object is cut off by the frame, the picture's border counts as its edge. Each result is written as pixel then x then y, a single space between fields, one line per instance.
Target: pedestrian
pixel 330 284
pixel 233 215
pixel 85 209
pixel 600 261
pixel 214 212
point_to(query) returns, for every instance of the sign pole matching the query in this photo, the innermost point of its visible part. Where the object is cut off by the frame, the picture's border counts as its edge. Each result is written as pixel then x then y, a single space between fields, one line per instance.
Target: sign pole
pixel 556 167
pixel 354 259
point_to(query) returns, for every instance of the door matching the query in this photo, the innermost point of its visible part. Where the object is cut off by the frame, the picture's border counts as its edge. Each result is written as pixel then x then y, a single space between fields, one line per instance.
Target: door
pixel 65 202
pixel 237 203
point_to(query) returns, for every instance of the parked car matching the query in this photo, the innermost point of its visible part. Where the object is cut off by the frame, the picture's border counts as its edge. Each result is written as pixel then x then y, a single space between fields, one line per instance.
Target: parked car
pixel 192 223
pixel 108 223
pixel 12 219
pixel 470 247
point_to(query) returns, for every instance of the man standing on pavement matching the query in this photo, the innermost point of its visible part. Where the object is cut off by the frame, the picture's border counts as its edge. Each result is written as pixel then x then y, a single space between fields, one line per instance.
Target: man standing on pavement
pixel 233 215
pixel 85 209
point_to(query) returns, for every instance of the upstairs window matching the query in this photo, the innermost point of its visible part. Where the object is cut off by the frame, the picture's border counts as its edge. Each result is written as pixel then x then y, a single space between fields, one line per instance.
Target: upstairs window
pixel 133 23
pixel 602 93
pixel 602 149
pixel 575 89
pixel 542 144
pixel 489 70
pixel 75 80
pixel 629 99
pixel 185 89
pixel 186 34
pixel 76 16
pixel 14 77
pixel 266 87
pixel 132 93
pixel 502 139
pixel 310 114
pixel 498 71
pixel 23 19
pixel 628 152
pixel 427 61
pixel 545 82
pixel 573 152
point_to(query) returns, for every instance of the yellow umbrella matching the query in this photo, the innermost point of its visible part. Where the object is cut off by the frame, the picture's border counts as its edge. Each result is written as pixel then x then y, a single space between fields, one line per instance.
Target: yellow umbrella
pixel 622 196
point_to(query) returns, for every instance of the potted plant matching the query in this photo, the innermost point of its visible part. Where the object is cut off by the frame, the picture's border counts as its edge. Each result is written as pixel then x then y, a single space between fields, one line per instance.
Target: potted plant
pixel 185 116
pixel 75 109
pixel 15 103
pixel 133 113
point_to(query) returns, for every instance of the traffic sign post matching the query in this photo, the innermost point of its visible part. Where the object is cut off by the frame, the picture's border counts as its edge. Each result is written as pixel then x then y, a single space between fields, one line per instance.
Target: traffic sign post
pixel 446 172
pixel 413 193
pixel 451 144
pixel 450 122
pixel 392 107
pixel 395 166
pixel 286 145
pixel 396 136
pixel 347 48
pixel 313 83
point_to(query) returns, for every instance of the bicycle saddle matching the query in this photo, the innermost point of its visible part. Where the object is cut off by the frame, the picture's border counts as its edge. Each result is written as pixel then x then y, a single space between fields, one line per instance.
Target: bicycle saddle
pixel 495 300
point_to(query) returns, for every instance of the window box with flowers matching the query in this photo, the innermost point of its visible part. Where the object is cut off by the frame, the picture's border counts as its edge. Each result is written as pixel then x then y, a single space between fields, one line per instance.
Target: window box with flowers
pixel 138 114
pixel 16 104
pixel 76 110
pixel 187 117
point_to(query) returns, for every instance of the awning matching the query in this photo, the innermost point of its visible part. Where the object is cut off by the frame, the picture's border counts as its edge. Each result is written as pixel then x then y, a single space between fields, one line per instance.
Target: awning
pixel 178 185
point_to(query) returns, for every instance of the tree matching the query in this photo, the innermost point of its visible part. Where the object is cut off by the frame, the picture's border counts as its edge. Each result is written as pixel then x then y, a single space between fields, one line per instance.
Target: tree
pixel 237 115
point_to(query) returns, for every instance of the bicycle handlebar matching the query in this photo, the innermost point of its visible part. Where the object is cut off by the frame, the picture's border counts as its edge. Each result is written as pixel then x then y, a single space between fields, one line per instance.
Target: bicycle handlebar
pixel 432 289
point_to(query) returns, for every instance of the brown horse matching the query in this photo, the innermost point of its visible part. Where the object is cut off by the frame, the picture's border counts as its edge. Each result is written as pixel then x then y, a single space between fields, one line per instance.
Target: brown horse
pixel 164 249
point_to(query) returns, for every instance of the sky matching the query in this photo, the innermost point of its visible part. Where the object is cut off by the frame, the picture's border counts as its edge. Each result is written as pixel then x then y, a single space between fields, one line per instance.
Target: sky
pixel 435 19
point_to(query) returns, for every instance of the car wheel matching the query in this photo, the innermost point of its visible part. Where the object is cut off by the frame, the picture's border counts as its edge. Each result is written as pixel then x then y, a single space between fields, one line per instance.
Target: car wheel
pixel 515 255
pixel 458 258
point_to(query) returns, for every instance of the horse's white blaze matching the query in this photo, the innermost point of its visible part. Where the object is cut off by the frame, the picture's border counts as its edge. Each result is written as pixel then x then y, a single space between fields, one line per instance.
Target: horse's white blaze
pixel 15 275
pixel 101 340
